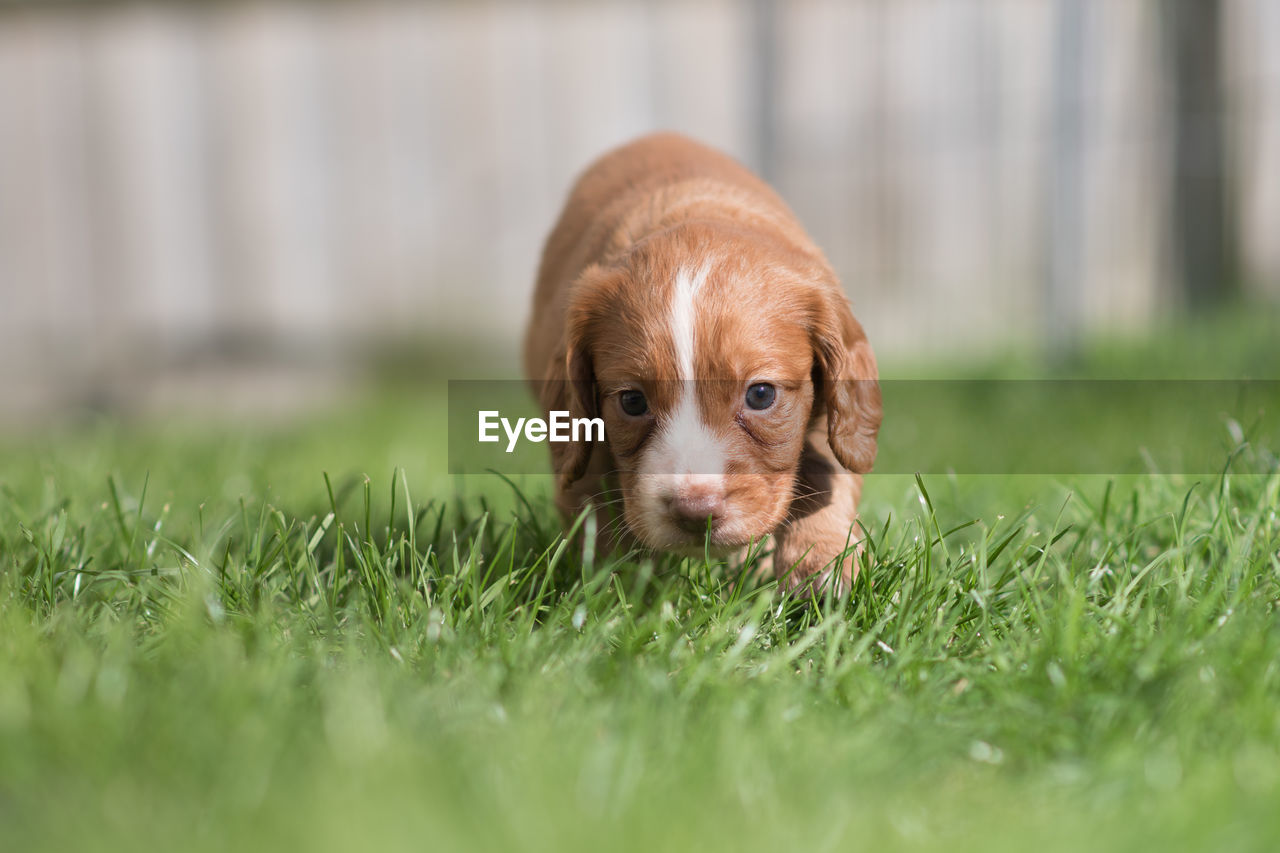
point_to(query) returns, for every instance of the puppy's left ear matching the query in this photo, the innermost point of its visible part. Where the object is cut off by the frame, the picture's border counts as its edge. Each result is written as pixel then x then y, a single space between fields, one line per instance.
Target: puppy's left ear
pixel 847 380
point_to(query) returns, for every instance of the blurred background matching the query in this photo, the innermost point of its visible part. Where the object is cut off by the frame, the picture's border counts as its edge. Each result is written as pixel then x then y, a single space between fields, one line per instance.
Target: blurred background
pixel 216 202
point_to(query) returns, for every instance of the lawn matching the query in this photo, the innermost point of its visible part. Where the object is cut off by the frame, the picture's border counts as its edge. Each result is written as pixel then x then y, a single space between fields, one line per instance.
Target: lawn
pixel 223 635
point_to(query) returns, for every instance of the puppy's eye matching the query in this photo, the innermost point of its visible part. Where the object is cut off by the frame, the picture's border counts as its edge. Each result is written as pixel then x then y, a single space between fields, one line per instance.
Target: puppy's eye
pixel 761 395
pixel 633 402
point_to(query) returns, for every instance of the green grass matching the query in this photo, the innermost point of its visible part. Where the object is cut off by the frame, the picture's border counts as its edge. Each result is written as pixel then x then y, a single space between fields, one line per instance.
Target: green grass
pixel 206 645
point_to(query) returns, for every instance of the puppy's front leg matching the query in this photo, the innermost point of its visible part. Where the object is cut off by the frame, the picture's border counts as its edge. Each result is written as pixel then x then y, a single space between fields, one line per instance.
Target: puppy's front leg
pixel 820 527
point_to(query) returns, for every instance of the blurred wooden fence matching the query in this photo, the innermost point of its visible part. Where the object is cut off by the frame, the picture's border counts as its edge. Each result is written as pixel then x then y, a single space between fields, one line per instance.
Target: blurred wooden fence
pixel 173 175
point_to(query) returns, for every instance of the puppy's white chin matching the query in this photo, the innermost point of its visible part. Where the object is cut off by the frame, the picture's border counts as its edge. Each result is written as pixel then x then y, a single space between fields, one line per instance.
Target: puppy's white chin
pixel 675 541
pixel 703 548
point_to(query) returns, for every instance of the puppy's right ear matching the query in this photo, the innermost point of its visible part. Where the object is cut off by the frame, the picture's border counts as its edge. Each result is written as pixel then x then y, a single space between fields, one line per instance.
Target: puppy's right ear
pixel 570 382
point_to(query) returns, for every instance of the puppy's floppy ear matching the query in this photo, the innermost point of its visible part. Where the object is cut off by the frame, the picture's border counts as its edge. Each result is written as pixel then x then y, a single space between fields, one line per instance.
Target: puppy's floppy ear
pixel 570 383
pixel 845 371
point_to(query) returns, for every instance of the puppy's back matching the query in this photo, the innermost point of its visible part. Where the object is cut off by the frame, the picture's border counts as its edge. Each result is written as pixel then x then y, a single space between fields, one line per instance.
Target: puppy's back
pixel 629 193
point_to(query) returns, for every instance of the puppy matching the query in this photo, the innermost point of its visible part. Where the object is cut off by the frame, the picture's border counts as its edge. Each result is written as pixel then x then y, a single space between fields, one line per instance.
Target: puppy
pixel 680 300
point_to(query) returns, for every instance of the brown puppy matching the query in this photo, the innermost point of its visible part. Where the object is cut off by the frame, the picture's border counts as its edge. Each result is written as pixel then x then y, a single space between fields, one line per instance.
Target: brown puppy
pixel 680 300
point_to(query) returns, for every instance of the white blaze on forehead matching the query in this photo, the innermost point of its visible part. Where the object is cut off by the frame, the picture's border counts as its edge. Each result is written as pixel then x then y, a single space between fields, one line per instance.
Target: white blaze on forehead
pixel 686 445
pixel 683 311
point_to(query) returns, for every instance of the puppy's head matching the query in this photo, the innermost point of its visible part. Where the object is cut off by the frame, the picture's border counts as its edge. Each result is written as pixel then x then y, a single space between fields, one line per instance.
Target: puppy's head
pixel 709 356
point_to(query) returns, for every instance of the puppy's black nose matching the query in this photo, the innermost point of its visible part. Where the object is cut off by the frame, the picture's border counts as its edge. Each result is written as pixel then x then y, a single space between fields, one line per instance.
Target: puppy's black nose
pixel 693 511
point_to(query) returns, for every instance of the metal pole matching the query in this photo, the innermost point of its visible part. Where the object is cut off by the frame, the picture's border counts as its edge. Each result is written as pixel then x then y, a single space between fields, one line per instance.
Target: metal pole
pixel 1064 283
pixel 764 80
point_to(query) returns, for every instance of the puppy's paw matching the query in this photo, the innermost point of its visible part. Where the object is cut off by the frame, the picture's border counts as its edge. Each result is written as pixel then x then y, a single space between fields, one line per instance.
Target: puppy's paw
pixel 816 570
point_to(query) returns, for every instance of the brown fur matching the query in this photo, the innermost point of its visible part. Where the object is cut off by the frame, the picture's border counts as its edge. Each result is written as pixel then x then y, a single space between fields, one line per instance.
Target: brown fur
pixel 770 308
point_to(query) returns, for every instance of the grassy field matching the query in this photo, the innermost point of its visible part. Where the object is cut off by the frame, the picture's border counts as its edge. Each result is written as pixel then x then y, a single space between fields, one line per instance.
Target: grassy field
pixel 226 636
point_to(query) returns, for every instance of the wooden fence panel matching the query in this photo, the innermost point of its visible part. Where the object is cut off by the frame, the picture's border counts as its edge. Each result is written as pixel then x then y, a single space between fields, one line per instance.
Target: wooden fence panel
pixel 173 175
